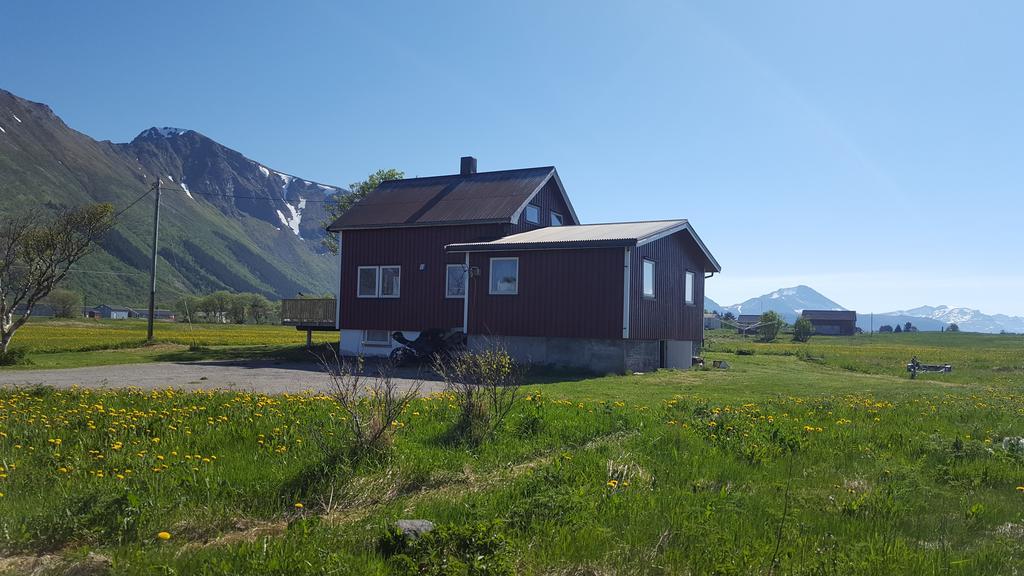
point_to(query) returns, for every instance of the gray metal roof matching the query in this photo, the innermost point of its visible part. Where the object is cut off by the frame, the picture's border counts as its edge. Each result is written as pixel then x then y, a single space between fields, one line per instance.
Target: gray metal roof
pixel 480 198
pixel 588 236
pixel 830 315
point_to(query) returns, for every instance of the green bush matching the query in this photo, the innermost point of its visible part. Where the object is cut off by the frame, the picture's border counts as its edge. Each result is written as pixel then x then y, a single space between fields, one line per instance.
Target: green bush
pixel 802 330
pixel 771 323
pixel 480 549
pixel 14 357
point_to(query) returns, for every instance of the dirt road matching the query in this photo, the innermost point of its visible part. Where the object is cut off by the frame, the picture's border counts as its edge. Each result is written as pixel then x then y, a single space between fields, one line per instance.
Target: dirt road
pixel 265 376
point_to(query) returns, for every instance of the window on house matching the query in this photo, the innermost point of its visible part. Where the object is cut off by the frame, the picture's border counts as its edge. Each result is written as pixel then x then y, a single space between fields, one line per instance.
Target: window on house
pixel 689 287
pixel 455 281
pixel 377 337
pixel 379 282
pixel 504 276
pixel 390 281
pixel 532 214
pixel 649 278
pixel 367 282
pixel 556 219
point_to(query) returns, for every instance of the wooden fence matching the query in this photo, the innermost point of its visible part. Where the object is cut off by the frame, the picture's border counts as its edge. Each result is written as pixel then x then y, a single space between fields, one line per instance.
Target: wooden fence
pixel 308 312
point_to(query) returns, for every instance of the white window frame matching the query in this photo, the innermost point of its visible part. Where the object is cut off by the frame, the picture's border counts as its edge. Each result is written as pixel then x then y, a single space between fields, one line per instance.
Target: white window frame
pixel 368 342
pixel 490 275
pixel 561 221
pixel 376 281
pixel 380 282
pixel 688 286
pixel 643 278
pixel 447 286
pixel 527 213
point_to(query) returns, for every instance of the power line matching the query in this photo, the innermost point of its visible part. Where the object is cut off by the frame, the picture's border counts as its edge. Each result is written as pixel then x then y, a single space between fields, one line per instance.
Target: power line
pixel 134 202
pixel 242 197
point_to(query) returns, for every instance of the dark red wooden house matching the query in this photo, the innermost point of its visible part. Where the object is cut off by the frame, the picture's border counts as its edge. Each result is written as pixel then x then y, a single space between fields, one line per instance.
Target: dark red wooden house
pixel 503 257
pixel 832 322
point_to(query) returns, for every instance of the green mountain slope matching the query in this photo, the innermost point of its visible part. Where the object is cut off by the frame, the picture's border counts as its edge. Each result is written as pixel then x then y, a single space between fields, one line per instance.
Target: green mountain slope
pixel 227 222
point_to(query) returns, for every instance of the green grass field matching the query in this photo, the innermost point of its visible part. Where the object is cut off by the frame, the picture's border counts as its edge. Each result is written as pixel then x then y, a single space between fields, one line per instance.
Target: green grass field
pixel 52 343
pixel 818 458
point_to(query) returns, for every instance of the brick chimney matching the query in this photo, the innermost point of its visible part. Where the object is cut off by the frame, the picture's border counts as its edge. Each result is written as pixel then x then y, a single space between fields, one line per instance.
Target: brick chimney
pixel 468 166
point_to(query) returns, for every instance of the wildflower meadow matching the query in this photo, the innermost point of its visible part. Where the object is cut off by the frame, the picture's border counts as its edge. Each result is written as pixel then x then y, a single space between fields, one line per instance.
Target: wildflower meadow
pixel 788 462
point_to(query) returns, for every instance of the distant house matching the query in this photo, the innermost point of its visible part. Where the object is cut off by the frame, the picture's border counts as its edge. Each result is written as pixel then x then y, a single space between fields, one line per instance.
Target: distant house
pixel 158 314
pixel 111 312
pixel 712 322
pixel 745 322
pixel 501 256
pixel 832 322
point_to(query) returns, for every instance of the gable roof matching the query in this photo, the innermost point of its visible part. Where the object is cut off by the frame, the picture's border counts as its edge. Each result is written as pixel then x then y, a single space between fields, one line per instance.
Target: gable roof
pixel 624 234
pixel 830 315
pixel 479 198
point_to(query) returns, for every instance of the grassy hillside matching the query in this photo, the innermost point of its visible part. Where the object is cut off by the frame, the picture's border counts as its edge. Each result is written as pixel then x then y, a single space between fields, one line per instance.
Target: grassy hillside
pixel 207 243
pixel 821 459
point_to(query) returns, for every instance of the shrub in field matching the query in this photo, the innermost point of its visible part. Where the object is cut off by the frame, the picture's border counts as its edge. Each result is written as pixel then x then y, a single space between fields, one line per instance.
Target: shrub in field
pixel 370 405
pixel 481 549
pixel 802 330
pixel 770 323
pixel 485 384
pixel 14 357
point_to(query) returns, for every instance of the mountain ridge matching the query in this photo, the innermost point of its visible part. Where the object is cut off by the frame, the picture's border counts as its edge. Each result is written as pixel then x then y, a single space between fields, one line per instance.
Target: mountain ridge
pixel 228 222
pixel 789 302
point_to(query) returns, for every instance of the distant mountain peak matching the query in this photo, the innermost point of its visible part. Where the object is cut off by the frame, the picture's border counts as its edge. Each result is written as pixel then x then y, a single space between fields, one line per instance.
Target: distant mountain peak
pixel 165 132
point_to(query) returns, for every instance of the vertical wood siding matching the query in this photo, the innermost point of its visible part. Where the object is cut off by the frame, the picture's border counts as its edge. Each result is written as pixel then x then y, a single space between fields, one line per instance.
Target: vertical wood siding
pixel 422 303
pixel 562 293
pixel 667 316
pixel 548 199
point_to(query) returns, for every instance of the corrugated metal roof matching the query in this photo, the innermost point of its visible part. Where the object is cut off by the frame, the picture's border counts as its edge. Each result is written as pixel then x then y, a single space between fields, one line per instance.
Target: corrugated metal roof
pixel 617 234
pixel 439 200
pixel 829 315
pixel 588 236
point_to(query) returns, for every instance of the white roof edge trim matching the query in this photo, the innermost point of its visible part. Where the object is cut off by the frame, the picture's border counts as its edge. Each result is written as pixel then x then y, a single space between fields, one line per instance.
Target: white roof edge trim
pixel 678 228
pixel 561 190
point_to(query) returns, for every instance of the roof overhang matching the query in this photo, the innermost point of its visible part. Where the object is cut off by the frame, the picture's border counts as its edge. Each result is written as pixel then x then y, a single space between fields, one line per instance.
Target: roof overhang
pixel 500 246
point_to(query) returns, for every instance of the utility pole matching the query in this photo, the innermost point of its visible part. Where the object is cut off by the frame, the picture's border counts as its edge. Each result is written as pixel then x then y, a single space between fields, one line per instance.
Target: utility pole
pixel 152 270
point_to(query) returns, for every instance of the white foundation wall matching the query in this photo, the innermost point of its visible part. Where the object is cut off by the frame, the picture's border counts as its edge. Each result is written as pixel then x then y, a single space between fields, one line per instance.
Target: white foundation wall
pixel 351 344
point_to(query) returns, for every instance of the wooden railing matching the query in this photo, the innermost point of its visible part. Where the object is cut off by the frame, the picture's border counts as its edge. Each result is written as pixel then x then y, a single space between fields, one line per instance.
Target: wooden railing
pixel 308 312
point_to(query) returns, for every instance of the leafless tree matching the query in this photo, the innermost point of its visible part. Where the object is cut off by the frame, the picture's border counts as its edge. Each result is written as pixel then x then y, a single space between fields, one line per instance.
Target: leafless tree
pixel 485 384
pixel 371 405
pixel 36 253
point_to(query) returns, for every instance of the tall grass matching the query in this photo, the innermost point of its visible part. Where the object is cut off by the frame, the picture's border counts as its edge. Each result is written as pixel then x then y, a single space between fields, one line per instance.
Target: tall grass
pixel 775 466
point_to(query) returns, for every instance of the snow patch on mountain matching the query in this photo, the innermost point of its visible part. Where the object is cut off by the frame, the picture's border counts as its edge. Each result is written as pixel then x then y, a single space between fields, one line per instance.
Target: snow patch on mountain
pixel 263 169
pixel 295 215
pixel 168 131
pixel 2 130
pixel 15 116
pixel 187 191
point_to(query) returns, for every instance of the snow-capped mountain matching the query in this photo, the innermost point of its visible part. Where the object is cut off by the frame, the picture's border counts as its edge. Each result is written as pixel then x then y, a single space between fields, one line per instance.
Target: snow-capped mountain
pixel 787 302
pixel 228 222
pixel 712 306
pixel 967 319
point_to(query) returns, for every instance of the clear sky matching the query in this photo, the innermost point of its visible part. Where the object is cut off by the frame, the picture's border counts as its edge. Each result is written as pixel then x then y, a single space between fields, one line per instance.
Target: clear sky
pixel 871 150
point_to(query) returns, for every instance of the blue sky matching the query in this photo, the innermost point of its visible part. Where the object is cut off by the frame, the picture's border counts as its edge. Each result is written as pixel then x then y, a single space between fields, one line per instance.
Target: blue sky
pixel 871 150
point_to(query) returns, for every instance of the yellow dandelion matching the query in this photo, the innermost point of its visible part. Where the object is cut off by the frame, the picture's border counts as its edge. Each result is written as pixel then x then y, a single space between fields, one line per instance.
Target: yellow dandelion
pixel 1020 488
pixel 164 535
pixel 299 505
pixel 613 483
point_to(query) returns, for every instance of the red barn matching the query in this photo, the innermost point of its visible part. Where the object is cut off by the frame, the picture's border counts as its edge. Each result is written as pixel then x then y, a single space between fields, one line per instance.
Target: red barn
pixel 503 257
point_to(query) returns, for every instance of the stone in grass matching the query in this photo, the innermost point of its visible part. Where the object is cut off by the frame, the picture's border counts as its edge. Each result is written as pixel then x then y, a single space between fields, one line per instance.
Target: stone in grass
pixel 413 529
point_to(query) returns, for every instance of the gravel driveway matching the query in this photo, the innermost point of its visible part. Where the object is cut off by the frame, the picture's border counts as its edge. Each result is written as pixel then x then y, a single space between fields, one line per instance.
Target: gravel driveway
pixel 264 376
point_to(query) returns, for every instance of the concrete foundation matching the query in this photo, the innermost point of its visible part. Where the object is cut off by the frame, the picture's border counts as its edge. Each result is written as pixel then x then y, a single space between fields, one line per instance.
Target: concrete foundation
pixel 592 355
